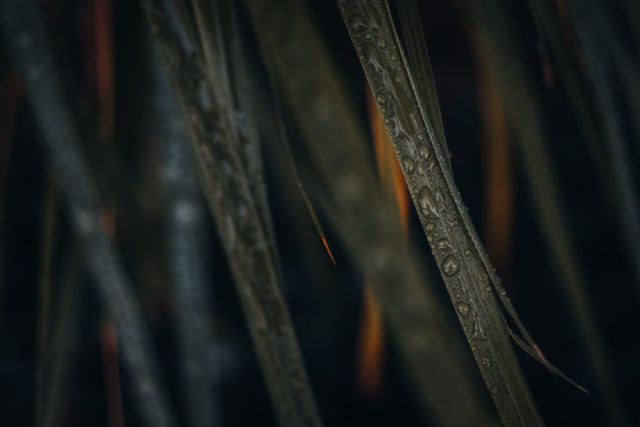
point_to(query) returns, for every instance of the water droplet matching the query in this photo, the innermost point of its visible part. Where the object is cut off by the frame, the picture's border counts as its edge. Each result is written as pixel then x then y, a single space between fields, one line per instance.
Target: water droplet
pixel 477 332
pixel 450 266
pixel 381 98
pixel 424 152
pixel 407 165
pixel 463 309
pixel 357 23
pixel 427 204
pixel 420 169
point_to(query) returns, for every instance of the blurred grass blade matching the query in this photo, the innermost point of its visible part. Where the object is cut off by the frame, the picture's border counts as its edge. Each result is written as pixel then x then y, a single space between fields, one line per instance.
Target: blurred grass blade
pixel 454 242
pixel 105 80
pixel 213 137
pixel 613 169
pixel 222 42
pixel 188 244
pixel 25 36
pixel 50 216
pixel 389 171
pixel 498 170
pixel 335 141
pixel 525 112
pixel 281 124
pixel 601 45
pixel 108 338
pixel 370 344
pixel 64 337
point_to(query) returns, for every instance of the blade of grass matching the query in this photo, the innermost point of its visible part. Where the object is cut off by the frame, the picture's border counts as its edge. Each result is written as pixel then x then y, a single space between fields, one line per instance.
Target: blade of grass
pixel 525 113
pixel 281 123
pixel 611 168
pixel 25 36
pixel 214 141
pixel 370 351
pixel 64 335
pixel 108 338
pixel 334 138
pixel 418 55
pixel 50 214
pixel 454 242
pixel 188 244
pixel 598 42
pixel 223 46
pixel 498 169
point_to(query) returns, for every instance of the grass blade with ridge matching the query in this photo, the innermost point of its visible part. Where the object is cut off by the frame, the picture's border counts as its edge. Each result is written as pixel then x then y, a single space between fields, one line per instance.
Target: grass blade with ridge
pixel 226 187
pixel 335 140
pixel 525 113
pixel 417 55
pixel 25 36
pixel 454 242
pixel 223 47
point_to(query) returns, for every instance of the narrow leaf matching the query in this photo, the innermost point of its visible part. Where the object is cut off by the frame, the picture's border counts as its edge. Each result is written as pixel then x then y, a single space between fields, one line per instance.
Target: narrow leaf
pixel 350 197
pixel 214 141
pixel 453 240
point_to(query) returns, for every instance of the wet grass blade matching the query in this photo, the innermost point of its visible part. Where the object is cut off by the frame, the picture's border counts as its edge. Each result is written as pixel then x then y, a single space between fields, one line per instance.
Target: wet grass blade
pixel 525 113
pixel 418 57
pixel 349 195
pixel 222 175
pixel 418 60
pixel 453 240
pixel 24 34
pixel 223 45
